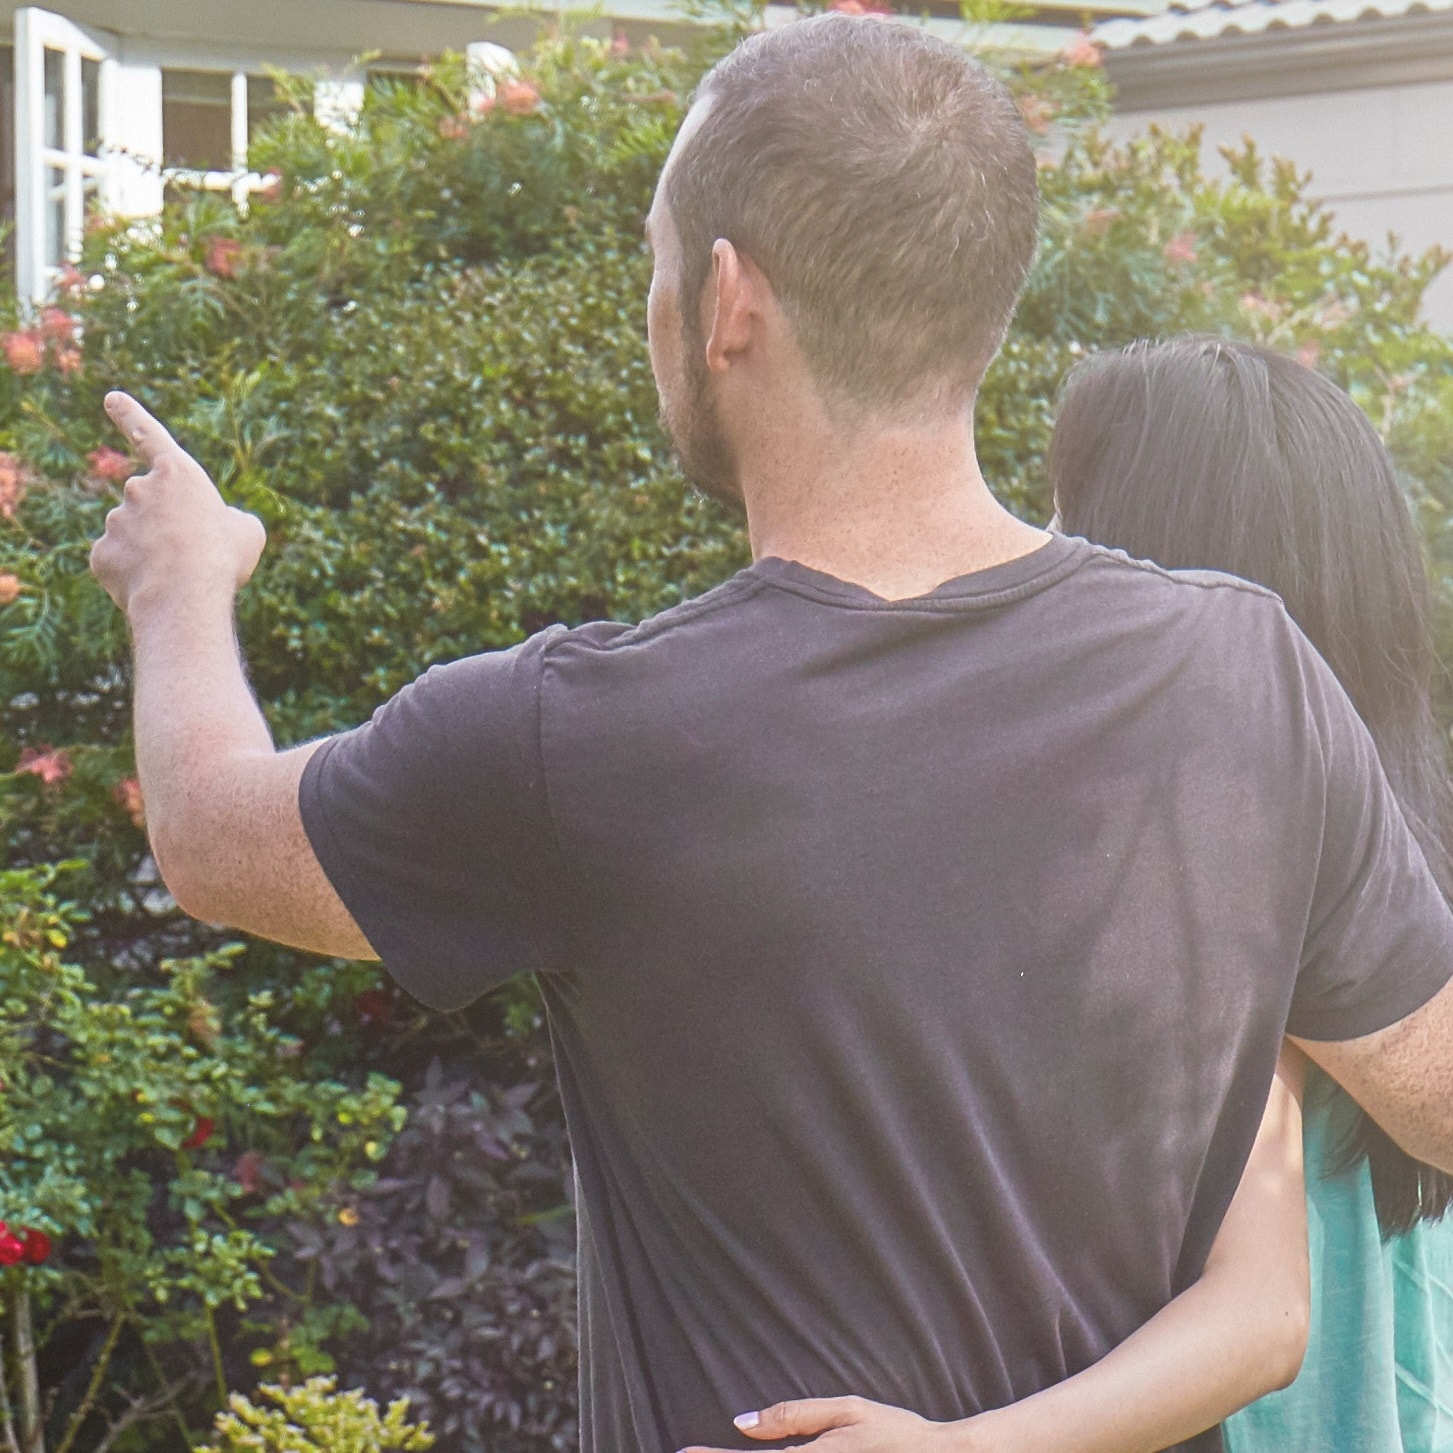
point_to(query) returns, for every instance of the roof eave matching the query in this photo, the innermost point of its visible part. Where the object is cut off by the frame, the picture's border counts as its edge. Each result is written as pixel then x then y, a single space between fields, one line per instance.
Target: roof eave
pixel 1280 61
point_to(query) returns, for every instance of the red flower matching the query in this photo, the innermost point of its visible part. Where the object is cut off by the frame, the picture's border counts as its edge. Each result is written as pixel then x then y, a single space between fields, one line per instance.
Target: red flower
pixel 127 793
pixel 37 1246
pixel 70 279
pixel 57 325
pixel 50 764
pixel 373 1006
pixel 12 485
pixel 12 1248
pixel 223 256
pixel 9 587
pixel 201 1133
pixel 248 1170
pixel 24 352
pixel 68 360
pixel 519 98
pixel 108 463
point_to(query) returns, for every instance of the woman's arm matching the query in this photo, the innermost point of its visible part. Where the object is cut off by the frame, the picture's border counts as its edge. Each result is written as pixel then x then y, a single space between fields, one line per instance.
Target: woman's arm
pixel 1238 1333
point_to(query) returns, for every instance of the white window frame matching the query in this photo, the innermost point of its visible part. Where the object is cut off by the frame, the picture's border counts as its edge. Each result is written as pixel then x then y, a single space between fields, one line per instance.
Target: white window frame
pixel 36 32
pixel 131 177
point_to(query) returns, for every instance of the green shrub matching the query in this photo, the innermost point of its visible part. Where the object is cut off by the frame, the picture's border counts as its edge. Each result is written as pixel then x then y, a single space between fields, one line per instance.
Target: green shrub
pixel 152 1129
pixel 314 1418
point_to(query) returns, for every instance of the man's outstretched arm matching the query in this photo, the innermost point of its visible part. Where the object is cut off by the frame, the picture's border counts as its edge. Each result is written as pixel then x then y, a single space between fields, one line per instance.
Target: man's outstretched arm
pixel 221 802
pixel 1403 1077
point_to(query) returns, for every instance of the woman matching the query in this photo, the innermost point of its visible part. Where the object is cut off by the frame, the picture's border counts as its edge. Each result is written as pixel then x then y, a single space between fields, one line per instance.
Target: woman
pixel 1211 454
pixel 1205 453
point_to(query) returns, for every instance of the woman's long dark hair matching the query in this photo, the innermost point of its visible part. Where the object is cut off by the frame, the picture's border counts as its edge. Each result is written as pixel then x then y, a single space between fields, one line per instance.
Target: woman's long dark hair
pixel 1212 454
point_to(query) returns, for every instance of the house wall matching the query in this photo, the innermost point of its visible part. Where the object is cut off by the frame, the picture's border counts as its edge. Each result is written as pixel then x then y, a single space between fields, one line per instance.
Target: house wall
pixel 1381 157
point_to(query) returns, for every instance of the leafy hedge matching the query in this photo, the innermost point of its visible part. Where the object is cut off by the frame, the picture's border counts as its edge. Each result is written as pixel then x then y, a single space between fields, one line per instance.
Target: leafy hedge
pixel 420 357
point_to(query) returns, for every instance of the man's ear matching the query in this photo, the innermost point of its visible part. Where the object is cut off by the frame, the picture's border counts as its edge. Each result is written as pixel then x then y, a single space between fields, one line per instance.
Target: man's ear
pixel 732 306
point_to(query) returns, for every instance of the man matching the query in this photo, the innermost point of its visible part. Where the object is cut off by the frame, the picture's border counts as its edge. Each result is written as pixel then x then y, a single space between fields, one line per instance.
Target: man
pixel 919 913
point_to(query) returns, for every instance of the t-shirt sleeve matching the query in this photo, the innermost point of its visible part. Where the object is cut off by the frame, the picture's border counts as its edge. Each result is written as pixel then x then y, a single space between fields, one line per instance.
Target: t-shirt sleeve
pixel 431 823
pixel 1379 941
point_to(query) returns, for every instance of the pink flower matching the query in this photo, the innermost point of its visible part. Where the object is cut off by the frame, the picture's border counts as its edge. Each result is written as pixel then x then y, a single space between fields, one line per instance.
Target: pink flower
pixel 1082 51
pixel 9 588
pixel 248 1170
pixel 223 256
pixel 57 325
pixel 1309 355
pixel 620 42
pixel 112 464
pixel 518 98
pixel 127 795
pixel 1268 310
pixel 24 351
pixel 50 764
pixel 1180 251
pixel 1037 113
pixel 70 279
pixel 454 128
pixel 68 360
pixel 12 485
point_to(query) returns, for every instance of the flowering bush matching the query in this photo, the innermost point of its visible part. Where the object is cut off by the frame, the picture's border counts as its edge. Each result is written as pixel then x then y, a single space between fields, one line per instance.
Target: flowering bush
pixel 420 357
pixel 154 1131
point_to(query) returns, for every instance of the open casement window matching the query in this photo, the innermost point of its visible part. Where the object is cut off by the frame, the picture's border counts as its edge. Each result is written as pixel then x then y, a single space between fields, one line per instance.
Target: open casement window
pixel 63 79
pixel 87 136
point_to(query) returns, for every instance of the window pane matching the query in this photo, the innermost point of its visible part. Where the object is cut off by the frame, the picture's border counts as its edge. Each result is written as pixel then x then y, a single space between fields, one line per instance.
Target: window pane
pixel 55 216
pixel 263 104
pixel 90 106
pixel 196 119
pixel 7 154
pixel 55 98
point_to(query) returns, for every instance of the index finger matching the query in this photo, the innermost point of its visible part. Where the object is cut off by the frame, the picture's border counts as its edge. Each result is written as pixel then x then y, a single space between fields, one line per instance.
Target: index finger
pixel 147 435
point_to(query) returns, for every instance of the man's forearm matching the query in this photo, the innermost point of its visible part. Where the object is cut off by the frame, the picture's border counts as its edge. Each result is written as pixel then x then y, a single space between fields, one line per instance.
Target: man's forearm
pixel 195 719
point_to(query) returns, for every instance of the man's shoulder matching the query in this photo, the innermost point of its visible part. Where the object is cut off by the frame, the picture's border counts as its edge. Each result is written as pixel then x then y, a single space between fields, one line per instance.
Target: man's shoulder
pixel 1170 585
pixel 596 638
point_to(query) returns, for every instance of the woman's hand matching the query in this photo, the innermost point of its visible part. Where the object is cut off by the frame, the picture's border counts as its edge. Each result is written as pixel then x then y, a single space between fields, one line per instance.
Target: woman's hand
pixel 850 1425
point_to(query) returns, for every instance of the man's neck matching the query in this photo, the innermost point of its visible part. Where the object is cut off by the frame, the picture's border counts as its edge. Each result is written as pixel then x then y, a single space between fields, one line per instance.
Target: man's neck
pixel 898 512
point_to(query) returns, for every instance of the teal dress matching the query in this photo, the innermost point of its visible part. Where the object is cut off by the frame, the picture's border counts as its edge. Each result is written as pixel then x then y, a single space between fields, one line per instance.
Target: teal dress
pixel 1378 1376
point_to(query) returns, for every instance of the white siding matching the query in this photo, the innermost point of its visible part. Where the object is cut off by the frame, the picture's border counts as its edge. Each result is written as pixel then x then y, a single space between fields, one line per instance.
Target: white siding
pixel 1382 158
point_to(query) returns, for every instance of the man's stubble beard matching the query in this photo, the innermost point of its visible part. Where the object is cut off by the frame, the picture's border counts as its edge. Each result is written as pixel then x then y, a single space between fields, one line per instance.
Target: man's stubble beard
pixel 698 440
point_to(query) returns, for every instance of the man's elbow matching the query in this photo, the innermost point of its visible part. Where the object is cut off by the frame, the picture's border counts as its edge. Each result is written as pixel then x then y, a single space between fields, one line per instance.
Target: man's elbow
pixel 186 873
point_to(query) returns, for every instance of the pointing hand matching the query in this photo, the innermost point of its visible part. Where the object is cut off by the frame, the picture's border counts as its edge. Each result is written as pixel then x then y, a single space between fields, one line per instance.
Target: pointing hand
pixel 172 539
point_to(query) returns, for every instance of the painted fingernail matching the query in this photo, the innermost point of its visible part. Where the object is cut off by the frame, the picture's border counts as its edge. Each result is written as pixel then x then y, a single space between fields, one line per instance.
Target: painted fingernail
pixel 747 1420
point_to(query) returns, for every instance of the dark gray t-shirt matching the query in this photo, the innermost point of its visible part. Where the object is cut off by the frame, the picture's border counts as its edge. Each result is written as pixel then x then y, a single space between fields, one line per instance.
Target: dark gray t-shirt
pixel 916 969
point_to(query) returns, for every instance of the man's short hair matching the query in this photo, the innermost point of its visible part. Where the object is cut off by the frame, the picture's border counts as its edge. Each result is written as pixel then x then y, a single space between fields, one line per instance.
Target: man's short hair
pixel 885 184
